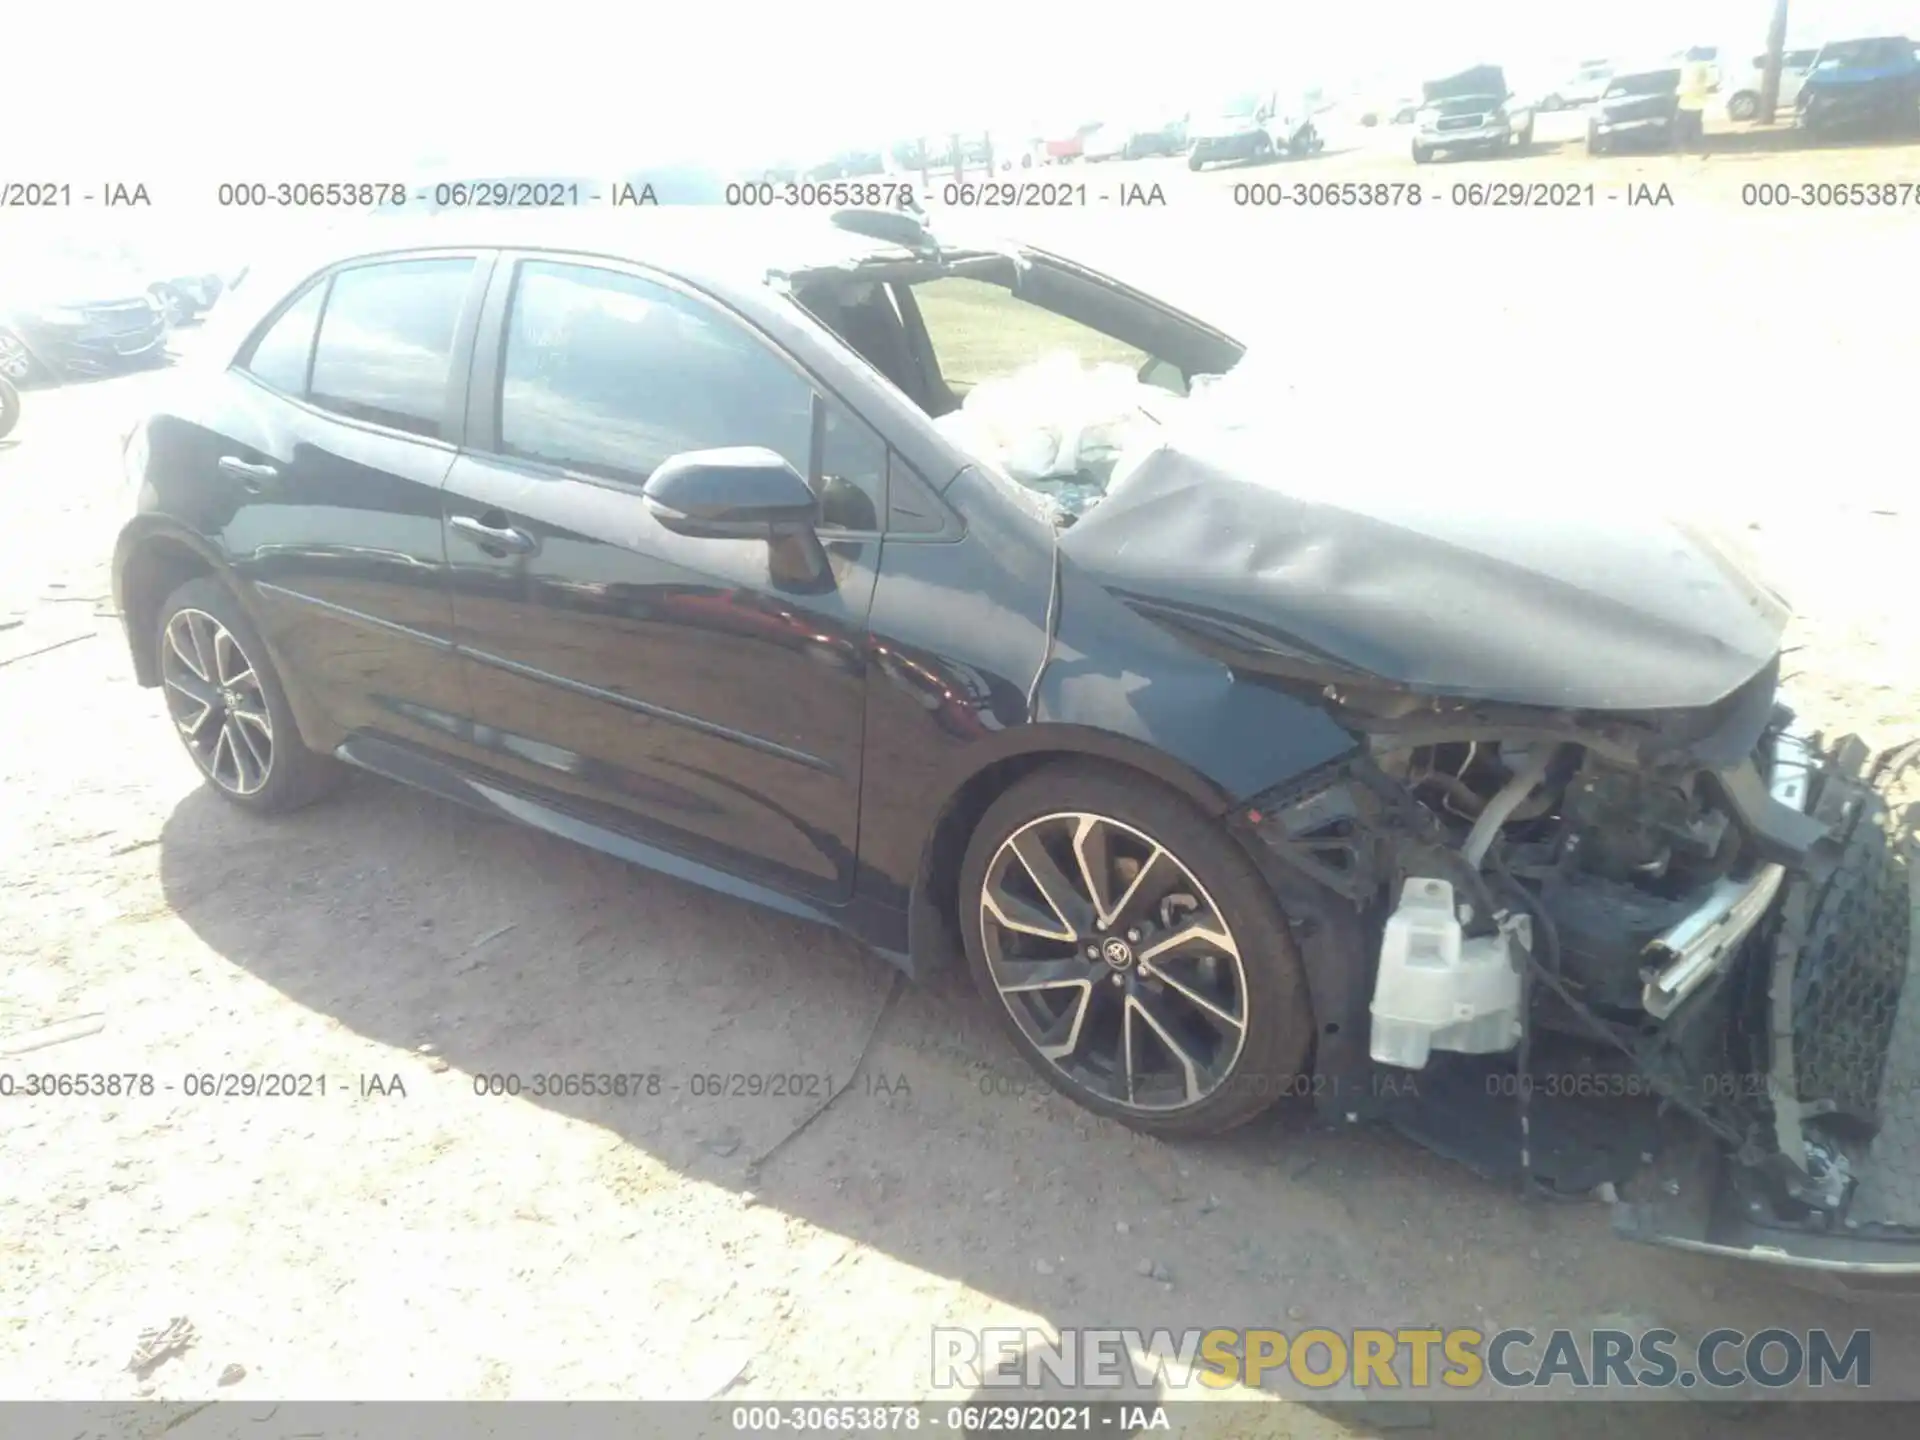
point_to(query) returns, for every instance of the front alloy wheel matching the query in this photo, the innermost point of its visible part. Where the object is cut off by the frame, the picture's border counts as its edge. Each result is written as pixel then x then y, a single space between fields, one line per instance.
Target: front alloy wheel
pixel 1137 986
pixel 216 700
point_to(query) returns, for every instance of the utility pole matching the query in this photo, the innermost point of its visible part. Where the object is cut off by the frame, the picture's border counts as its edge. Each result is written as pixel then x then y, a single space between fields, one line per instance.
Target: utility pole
pixel 1776 50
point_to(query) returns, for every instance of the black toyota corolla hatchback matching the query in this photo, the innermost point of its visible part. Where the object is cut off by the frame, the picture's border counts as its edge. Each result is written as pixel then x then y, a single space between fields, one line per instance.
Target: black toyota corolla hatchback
pixel 1242 775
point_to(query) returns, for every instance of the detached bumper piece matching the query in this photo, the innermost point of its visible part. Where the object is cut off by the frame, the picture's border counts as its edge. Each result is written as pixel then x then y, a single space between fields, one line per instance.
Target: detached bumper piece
pixel 1839 1197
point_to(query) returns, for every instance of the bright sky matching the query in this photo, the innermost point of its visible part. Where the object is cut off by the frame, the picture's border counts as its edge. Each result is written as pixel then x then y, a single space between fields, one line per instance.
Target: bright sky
pixel 355 87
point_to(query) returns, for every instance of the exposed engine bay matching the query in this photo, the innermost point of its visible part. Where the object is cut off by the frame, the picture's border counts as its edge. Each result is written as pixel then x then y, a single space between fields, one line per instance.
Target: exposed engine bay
pixel 1586 929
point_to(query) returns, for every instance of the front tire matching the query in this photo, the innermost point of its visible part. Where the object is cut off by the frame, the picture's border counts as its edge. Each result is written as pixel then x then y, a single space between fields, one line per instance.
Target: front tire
pixel 229 706
pixel 9 409
pixel 1422 155
pixel 1132 952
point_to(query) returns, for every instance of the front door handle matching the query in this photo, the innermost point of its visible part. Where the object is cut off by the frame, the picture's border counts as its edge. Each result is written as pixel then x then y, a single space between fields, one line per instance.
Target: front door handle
pixel 254 476
pixel 494 539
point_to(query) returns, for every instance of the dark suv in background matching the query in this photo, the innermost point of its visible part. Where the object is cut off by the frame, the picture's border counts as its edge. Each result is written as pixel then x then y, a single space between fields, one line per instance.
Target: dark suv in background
pixel 1865 84
pixel 1640 109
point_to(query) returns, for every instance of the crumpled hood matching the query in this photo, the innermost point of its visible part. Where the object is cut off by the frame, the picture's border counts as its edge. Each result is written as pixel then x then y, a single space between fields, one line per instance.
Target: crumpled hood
pixel 1430 577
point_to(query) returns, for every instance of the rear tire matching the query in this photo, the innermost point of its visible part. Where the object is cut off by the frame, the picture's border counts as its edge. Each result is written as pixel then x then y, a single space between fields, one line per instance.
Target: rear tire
pixel 1743 106
pixel 229 706
pixel 1190 1016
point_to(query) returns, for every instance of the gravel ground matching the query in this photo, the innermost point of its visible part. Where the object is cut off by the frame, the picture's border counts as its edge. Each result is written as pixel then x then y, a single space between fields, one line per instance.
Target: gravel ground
pixel 404 1237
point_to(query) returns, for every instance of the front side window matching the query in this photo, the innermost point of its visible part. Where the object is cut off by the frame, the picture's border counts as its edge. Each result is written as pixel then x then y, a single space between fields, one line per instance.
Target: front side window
pixel 279 357
pixel 385 351
pixel 982 331
pixel 610 374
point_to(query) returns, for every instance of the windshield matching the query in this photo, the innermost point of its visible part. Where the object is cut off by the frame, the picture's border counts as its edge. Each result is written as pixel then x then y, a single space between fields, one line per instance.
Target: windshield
pixel 1852 53
pixel 1654 82
pixel 1239 106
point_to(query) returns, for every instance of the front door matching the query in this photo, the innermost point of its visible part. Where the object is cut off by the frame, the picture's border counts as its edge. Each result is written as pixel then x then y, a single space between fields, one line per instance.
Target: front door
pixel 684 689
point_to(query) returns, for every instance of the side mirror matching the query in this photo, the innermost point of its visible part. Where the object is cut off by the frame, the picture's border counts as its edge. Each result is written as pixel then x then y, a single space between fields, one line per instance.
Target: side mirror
pixel 1163 375
pixel 737 493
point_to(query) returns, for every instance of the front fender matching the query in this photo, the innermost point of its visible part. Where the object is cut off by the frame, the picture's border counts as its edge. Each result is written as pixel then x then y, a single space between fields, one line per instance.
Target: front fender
pixel 1114 672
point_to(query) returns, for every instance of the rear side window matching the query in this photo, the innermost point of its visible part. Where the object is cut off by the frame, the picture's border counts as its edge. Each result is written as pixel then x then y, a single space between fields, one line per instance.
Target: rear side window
pixel 385 351
pixel 279 357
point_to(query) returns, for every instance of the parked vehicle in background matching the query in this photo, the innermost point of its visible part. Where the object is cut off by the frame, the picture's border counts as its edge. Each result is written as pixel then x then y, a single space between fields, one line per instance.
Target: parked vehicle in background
pixel 1017 150
pixel 847 165
pixel 1743 93
pixel 1862 84
pixel 1588 84
pixel 68 315
pixel 1642 109
pixel 1069 144
pixel 1471 113
pixel 1136 142
pixel 185 298
pixel 1254 125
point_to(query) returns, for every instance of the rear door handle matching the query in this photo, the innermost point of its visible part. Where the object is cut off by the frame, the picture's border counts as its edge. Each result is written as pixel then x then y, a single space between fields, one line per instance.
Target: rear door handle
pixel 494 539
pixel 255 477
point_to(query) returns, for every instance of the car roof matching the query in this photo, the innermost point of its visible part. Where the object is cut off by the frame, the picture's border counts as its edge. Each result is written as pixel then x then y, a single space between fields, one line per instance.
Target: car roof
pixel 716 247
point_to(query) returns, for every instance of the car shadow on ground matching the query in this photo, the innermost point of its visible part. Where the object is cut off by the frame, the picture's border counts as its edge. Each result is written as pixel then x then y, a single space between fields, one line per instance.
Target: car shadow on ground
pixel 416 923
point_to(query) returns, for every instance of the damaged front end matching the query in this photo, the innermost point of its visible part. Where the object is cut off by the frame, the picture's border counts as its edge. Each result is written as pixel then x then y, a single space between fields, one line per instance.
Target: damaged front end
pixel 1584 907
pixel 1657 956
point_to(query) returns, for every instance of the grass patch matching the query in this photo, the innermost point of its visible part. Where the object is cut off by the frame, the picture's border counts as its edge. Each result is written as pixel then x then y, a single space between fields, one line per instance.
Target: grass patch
pixel 982 331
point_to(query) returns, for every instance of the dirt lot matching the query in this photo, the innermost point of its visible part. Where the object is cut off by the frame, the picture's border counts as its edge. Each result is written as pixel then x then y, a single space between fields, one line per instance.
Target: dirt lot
pixel 429 1241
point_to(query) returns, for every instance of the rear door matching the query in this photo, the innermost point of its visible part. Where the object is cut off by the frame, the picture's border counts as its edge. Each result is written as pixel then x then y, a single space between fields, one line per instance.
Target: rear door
pixel 683 689
pixel 350 402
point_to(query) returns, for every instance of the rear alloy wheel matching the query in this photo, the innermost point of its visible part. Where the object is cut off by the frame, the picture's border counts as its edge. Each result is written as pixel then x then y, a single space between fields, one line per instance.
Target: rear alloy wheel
pixel 1133 952
pixel 229 706
pixel 1743 106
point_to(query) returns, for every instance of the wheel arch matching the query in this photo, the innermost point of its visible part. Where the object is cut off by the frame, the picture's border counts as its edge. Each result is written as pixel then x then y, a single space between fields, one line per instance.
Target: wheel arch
pixel 150 567
pixel 932 907
pixel 153 561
